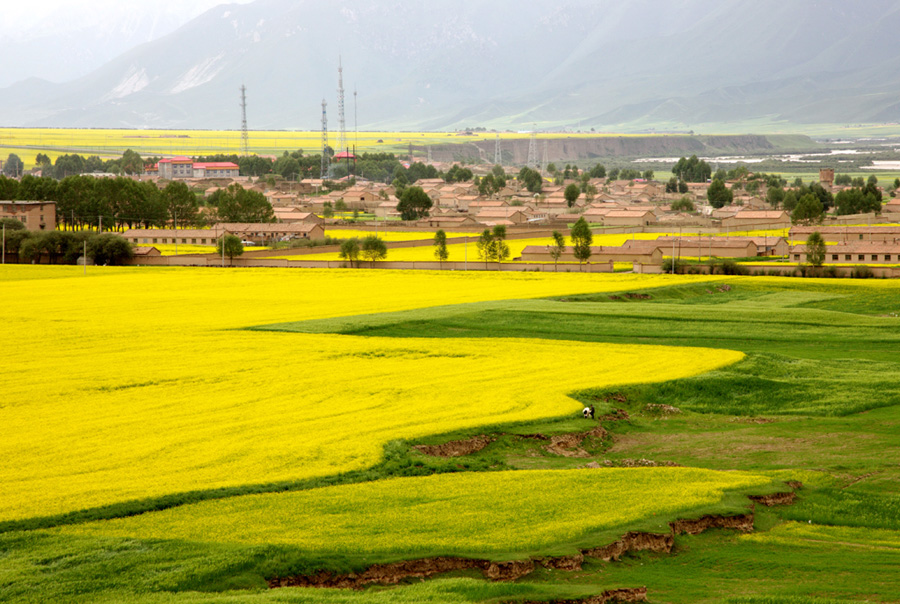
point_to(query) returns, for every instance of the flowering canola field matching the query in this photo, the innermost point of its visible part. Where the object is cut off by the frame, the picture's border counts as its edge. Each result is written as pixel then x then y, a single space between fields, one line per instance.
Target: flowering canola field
pixel 135 383
pixel 453 513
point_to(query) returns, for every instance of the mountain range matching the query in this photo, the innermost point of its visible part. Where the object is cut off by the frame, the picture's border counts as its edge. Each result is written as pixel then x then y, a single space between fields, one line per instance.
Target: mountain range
pixel 447 64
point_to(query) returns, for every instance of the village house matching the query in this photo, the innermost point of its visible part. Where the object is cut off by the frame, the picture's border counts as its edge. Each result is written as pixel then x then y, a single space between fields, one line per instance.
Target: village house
pixel 629 218
pixel 172 168
pixel 143 237
pixel 856 253
pixel 750 219
pixel 504 216
pixel 35 215
pixel 847 234
pixel 599 253
pixel 262 233
pixel 294 215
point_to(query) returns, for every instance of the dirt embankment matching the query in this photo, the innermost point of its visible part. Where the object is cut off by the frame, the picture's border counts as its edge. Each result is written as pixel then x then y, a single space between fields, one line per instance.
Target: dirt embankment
pixel 564 148
pixel 456 448
pixel 627 594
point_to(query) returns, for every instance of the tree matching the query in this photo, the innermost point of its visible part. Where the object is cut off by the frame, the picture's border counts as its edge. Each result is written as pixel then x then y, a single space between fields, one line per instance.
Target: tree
pixel 581 240
pixel 808 209
pixel 775 195
pixel 598 171
pixel 815 249
pixel 790 200
pixel 180 203
pixel 236 204
pixel 132 163
pixel 648 174
pixel 683 205
pixel 531 179
pixel 349 250
pixel 501 248
pixel 14 166
pixel 571 194
pixel 485 246
pixel 340 205
pixel 857 201
pixel 718 194
pixel 440 247
pixel 327 210
pixel 414 203
pixel 557 248
pixel 111 249
pixel 232 246
pixel 692 169
pixel 9 188
pixel 373 248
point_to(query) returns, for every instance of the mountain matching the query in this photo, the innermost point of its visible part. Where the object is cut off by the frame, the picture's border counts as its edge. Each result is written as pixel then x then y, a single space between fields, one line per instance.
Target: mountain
pixel 60 41
pixel 436 64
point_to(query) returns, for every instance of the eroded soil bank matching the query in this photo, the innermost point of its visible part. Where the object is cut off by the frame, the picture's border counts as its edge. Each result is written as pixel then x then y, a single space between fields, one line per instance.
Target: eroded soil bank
pixel 633 541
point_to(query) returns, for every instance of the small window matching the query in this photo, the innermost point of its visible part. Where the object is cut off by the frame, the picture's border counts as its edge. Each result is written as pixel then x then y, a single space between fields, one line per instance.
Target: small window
pixel 860 236
pixel 874 256
pixel 193 241
pixel 887 257
pixel 834 257
pixel 862 257
pixel 154 240
pixel 203 241
pixel 848 257
pixel 797 257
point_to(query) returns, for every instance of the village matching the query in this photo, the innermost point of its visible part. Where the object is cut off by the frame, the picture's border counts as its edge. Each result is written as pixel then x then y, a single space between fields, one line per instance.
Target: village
pixel 683 223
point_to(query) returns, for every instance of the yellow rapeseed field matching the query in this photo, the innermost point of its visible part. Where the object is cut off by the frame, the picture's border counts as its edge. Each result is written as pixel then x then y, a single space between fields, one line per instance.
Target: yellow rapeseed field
pixel 110 143
pixel 487 513
pixel 132 383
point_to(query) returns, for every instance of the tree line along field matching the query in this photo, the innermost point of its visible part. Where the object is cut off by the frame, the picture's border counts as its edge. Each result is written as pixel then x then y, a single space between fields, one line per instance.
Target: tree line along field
pixel 222 428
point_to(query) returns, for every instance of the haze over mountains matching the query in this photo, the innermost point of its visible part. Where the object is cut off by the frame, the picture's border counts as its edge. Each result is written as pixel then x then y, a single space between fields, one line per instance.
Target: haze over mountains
pixel 439 64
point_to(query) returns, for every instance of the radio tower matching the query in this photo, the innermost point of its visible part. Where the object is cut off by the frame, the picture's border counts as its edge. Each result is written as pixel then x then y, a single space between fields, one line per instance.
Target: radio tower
pixel 544 160
pixel 341 139
pixel 324 169
pixel 498 159
pixel 532 151
pixel 245 138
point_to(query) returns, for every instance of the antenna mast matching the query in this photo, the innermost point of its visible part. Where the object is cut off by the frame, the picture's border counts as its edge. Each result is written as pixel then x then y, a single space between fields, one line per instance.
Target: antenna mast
pixel 324 168
pixel 342 138
pixel 355 121
pixel 245 137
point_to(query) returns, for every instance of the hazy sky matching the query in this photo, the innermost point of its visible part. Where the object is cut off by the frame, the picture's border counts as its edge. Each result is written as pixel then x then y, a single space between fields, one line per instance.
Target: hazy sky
pixel 17 16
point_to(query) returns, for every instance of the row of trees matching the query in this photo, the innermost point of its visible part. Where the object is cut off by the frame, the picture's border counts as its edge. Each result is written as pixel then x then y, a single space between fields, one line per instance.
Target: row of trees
pixel 117 203
pixel 62 247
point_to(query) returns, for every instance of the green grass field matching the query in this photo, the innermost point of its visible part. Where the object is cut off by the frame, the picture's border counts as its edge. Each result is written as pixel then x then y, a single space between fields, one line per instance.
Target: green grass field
pixel 816 399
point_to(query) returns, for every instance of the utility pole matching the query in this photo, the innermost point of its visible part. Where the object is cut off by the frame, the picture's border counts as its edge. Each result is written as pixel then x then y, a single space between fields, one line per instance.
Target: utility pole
pixel 4 243
pixel 175 222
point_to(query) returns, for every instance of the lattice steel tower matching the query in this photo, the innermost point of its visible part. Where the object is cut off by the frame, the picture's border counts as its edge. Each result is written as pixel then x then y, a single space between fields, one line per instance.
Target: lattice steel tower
pixel 245 137
pixel 532 152
pixel 342 141
pixel 324 168
pixel 544 160
pixel 498 158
